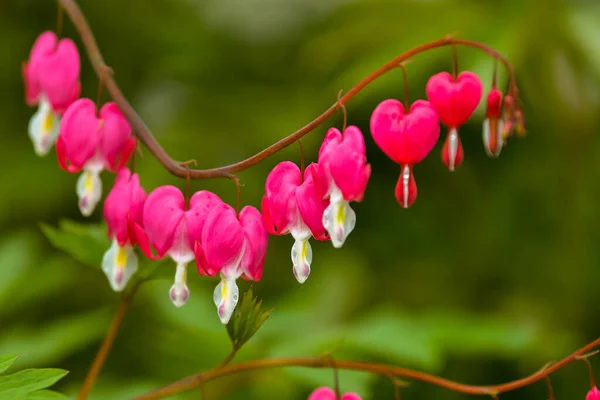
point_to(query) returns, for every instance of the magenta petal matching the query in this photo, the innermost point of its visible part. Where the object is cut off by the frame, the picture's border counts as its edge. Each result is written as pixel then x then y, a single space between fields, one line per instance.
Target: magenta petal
pixel 454 101
pixel 279 192
pixel 79 132
pixel 124 205
pixel 351 396
pixel 222 241
pixel 347 163
pixel 405 138
pixel 43 46
pixel 59 75
pixel 201 204
pixel 322 393
pixel 141 238
pixel 163 213
pixel 256 239
pixel 310 205
pixel 116 135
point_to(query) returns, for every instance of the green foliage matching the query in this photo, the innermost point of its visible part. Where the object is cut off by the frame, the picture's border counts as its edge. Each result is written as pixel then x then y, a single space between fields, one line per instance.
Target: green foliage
pixel 28 384
pixel 246 320
pixel 85 242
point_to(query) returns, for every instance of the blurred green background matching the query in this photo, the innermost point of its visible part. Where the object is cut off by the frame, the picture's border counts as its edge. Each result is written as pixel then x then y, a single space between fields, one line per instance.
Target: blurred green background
pixel 492 273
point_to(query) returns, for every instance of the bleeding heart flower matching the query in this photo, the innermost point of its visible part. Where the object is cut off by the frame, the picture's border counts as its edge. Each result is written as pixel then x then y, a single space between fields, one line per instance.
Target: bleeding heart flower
pixel 406 139
pixel 342 176
pixel 593 394
pixel 454 100
pixel 93 143
pixel 234 247
pixel 325 393
pixel 291 205
pixel 492 126
pixel 51 78
pixel 123 208
pixel 173 229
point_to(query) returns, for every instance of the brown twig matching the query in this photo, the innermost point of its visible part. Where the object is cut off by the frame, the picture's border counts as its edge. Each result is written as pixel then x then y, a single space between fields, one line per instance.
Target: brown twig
pixel 381 369
pixel 109 339
pixel 174 167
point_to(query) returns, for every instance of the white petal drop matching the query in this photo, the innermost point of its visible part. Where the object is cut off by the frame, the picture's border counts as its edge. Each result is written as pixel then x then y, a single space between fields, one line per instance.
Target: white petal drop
pixel 226 297
pixel 119 264
pixel 301 258
pixel 339 219
pixel 43 128
pixel 499 138
pixel 179 292
pixel 452 148
pixel 89 191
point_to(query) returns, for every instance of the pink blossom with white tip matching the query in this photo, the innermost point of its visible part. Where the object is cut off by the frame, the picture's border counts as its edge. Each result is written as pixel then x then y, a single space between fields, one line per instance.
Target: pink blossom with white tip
pixel 291 205
pixel 407 137
pixel 123 209
pixel 92 141
pixel 341 177
pixel 454 100
pixel 51 78
pixel 325 393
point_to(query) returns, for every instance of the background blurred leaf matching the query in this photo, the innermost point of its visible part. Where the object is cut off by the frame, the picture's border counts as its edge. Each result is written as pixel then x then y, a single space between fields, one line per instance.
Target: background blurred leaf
pixel 6 362
pixel 24 382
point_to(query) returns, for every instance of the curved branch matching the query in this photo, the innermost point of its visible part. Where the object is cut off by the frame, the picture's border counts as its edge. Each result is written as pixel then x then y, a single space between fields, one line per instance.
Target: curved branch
pixel 380 369
pixel 176 168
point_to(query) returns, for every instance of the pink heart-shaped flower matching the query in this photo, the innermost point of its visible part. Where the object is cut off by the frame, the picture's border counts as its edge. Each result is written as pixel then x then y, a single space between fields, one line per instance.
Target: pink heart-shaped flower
pixel 325 393
pixel 256 239
pixel 405 138
pixel 84 134
pixel 454 100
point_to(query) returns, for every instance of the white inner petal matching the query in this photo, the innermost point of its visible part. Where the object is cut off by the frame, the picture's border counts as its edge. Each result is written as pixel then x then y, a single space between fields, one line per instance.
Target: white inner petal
pixel 301 258
pixel 339 218
pixel 179 292
pixel 43 127
pixel 499 138
pixel 119 264
pixel 452 148
pixel 89 190
pixel 226 296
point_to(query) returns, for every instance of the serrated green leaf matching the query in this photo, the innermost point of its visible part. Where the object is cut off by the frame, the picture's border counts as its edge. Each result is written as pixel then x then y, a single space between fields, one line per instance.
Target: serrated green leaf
pixel 85 242
pixel 28 380
pixel 246 320
pixel 7 361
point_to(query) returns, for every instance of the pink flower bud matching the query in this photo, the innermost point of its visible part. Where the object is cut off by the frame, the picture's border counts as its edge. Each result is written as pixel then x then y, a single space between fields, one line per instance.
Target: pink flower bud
pixel 593 394
pixel 492 126
pixel 406 139
pixel 325 393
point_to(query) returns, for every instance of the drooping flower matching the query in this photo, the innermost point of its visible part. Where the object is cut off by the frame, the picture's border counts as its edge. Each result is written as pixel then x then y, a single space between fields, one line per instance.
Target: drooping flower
pixel 93 143
pixel 493 124
pixel 454 100
pixel 208 231
pixel 342 176
pixel 593 394
pixel 508 116
pixel 406 138
pixel 291 205
pixel 51 78
pixel 173 228
pixel 325 393
pixel 234 247
pixel 123 209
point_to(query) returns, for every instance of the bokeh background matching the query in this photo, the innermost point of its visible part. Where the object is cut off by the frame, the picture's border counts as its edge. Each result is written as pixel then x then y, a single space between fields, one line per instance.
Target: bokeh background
pixel 492 273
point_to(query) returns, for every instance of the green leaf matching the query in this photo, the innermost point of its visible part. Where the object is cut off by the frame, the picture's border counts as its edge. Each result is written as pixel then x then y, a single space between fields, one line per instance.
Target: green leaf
pixel 46 395
pixel 7 361
pixel 246 320
pixel 29 380
pixel 85 242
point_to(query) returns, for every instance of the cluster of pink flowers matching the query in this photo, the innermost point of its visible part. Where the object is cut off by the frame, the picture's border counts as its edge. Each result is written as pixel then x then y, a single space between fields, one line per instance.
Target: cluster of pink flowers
pixel 310 203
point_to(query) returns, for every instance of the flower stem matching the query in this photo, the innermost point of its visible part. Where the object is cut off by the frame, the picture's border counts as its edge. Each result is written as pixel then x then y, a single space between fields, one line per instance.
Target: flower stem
pixel 380 369
pixel 109 339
